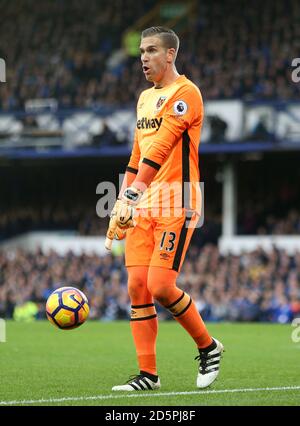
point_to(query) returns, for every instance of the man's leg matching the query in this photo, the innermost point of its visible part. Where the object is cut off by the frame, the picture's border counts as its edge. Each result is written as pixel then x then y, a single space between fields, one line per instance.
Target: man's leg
pixel 162 286
pixel 143 321
pixel 144 324
pixel 172 239
pixel 144 330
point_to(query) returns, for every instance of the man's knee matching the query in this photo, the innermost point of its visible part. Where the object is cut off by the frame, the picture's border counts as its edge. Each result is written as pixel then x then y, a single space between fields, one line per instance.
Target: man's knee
pixel 161 292
pixel 161 284
pixel 137 282
pixel 136 285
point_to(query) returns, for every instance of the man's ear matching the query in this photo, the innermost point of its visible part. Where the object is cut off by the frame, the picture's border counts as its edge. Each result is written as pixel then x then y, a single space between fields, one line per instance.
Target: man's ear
pixel 171 55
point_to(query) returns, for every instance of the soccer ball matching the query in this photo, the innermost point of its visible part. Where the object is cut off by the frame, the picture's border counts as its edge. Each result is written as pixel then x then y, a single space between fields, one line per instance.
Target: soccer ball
pixel 67 308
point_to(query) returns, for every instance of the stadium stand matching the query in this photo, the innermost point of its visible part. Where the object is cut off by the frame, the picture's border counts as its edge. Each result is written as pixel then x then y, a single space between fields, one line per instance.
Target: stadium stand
pixel 257 286
pixel 63 197
pixel 63 50
pixel 71 83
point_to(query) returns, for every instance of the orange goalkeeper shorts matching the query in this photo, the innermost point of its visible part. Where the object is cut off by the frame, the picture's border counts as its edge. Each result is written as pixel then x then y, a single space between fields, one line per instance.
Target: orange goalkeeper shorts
pixel 159 241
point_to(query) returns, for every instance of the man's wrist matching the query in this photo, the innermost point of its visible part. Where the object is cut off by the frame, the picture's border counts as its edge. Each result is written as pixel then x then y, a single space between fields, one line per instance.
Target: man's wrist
pixel 132 195
pixel 140 186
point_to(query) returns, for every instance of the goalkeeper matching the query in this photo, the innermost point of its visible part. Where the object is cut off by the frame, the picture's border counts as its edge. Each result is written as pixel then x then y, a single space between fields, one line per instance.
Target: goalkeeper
pixel 158 222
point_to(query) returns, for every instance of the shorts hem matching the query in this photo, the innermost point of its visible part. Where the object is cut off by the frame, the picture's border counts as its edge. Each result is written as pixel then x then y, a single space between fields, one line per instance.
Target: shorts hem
pixel 137 263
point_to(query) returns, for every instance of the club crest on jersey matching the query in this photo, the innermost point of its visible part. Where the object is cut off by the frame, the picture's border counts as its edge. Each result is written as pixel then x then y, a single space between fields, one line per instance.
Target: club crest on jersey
pixel 160 101
pixel 180 108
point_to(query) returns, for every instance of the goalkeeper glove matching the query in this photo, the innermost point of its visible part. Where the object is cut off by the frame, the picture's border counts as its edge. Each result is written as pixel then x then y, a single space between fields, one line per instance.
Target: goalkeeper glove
pixel 120 234
pixel 122 214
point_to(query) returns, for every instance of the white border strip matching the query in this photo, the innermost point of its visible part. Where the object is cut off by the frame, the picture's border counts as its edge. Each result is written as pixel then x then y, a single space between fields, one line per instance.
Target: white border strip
pixel 147 394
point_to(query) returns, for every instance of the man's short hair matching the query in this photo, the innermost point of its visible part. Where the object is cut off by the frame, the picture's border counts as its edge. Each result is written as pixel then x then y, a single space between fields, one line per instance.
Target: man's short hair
pixel 169 37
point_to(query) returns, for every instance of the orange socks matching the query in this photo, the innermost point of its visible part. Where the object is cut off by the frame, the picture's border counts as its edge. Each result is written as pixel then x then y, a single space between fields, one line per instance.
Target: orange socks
pixel 144 284
pixel 144 327
pixel 185 312
pixel 143 323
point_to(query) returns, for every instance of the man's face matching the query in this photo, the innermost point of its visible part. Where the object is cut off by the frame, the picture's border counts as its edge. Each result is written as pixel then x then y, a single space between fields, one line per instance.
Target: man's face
pixel 155 58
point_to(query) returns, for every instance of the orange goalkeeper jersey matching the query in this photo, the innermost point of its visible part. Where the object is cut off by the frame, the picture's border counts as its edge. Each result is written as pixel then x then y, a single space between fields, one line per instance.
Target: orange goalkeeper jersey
pixel 167 137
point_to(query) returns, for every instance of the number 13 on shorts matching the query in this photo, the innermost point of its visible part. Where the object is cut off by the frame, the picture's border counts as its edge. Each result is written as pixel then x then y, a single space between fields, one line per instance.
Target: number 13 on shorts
pixel 168 241
pixel 160 242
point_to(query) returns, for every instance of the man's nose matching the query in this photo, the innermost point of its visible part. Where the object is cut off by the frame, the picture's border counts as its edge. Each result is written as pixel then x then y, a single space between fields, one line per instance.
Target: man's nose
pixel 144 57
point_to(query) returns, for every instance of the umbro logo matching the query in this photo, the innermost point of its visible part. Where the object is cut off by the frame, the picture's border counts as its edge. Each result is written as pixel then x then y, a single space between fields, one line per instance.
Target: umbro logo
pixel 164 256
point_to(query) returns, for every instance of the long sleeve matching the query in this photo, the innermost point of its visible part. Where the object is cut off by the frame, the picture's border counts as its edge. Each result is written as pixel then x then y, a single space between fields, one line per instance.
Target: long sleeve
pixel 135 156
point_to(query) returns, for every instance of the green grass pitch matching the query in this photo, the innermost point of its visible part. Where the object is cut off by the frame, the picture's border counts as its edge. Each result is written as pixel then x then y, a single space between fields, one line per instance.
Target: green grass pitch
pixel 42 365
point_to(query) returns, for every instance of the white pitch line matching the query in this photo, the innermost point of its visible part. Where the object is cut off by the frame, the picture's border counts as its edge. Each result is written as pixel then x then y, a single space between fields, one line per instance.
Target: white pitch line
pixel 143 395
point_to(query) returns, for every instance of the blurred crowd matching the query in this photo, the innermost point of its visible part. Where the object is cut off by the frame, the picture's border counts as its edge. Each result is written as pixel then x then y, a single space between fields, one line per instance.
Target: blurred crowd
pixel 74 52
pixel 63 49
pixel 78 219
pixel 274 204
pixel 243 50
pixel 83 220
pixel 257 286
pixel 271 224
